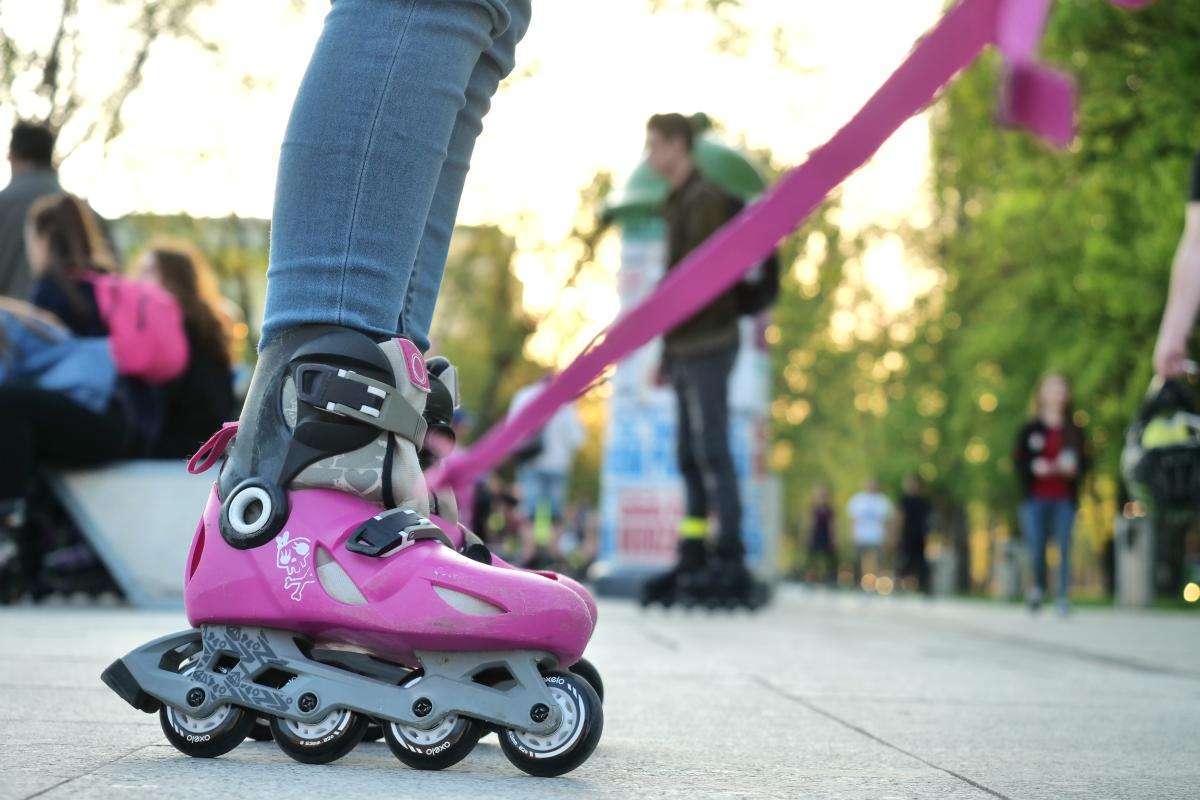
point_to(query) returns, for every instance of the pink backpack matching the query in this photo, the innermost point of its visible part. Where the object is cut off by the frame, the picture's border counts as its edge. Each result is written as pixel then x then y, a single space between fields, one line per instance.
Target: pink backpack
pixel 145 327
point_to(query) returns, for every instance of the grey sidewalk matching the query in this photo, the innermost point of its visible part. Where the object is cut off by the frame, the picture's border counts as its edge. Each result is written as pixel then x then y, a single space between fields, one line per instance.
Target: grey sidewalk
pixel 830 696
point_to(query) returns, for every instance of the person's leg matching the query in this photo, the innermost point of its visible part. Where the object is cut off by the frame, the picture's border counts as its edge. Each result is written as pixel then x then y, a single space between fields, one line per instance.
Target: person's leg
pixel 1033 528
pixel 362 157
pixel 45 428
pixel 1064 522
pixel 695 495
pixel 556 488
pixel 923 584
pixel 710 406
pixel 682 581
pixel 493 66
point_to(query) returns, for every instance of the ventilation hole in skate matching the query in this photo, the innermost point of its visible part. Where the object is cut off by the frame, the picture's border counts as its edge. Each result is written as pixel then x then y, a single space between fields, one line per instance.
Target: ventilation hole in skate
pixel 467 604
pixel 494 676
pixel 225 663
pixel 274 677
pixel 197 549
pixel 335 581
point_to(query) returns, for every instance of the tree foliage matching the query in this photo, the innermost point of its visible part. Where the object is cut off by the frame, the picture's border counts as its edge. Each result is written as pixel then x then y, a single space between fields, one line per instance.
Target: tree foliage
pixel 53 81
pixel 1047 261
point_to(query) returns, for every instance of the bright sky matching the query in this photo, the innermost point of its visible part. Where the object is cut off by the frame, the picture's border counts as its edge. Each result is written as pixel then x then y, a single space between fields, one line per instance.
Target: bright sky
pixel 204 129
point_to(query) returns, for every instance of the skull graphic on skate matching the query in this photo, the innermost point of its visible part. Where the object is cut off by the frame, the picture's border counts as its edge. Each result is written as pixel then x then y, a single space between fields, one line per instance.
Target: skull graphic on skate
pixel 292 556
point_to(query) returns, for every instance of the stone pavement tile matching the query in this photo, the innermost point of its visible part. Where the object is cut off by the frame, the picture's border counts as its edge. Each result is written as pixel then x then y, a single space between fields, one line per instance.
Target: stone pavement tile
pixel 39 753
pixel 836 696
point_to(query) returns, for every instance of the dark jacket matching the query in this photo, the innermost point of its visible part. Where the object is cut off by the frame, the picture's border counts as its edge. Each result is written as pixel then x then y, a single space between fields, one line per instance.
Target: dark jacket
pixel 72 301
pixel 197 403
pixel 693 212
pixel 1030 442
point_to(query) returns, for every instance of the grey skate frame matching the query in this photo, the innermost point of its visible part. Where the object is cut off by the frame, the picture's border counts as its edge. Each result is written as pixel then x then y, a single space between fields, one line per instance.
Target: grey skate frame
pixel 242 665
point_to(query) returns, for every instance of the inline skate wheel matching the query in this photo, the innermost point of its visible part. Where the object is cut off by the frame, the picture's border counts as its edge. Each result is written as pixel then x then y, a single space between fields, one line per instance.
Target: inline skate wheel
pixel 441 746
pixel 587 670
pixel 261 732
pixel 321 741
pixel 206 737
pixel 565 748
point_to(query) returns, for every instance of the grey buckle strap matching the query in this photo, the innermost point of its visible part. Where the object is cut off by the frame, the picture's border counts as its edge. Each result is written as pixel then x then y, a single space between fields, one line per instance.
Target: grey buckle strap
pixel 348 394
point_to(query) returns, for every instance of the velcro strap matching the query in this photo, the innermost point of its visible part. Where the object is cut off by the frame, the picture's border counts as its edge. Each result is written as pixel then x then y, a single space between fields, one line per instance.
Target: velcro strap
pixel 348 394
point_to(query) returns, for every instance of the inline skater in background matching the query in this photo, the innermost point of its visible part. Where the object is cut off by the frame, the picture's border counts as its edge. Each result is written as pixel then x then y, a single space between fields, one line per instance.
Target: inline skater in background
pixel 698 357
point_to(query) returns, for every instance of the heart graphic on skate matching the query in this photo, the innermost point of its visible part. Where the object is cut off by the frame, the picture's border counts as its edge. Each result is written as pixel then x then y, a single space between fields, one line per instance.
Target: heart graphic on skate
pixel 292 556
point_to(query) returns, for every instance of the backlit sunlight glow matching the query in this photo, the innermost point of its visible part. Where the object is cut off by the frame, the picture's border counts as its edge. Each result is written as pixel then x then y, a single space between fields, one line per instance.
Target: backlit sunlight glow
pixel 203 130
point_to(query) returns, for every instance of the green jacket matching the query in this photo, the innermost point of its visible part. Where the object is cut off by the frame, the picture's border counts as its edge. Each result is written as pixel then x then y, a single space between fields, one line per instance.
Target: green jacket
pixel 693 212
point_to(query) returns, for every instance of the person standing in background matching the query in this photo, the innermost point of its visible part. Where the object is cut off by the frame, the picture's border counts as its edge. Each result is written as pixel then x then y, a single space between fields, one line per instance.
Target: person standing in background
pixel 1183 299
pixel 698 357
pixel 870 511
pixel 543 477
pixel 822 548
pixel 1050 458
pixel 915 512
pixel 31 159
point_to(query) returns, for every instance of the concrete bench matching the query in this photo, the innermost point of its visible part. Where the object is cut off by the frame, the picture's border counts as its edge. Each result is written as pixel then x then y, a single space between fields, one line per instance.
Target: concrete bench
pixel 139 517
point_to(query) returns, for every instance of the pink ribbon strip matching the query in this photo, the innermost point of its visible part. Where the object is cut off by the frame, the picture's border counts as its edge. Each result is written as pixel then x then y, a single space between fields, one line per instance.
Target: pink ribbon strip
pixel 1033 96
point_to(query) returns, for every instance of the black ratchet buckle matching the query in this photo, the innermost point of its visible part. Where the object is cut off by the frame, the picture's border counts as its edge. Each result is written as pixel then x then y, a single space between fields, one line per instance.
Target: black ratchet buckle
pixel 392 530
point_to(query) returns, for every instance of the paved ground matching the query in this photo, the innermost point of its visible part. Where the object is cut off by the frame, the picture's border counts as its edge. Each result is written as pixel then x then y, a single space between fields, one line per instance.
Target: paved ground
pixel 830 696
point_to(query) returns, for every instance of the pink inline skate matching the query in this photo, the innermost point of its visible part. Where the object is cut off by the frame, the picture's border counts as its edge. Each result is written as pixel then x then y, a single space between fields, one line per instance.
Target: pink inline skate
pixel 325 596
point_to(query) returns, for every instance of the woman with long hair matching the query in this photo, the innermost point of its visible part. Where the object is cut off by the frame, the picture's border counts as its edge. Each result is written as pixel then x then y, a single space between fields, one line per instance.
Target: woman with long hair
pixel 65 247
pixel 1051 458
pixel 200 400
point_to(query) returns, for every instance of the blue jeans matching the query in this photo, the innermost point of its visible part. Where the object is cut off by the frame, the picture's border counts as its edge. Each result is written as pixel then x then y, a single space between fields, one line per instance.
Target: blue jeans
pixel 705 459
pixel 1042 520
pixel 374 160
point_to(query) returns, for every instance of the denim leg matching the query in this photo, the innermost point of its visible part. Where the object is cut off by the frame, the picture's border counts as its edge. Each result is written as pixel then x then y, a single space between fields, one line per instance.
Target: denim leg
pixel 494 65
pixel 556 490
pixel 708 401
pixel 1034 519
pixel 530 485
pixel 1064 521
pixel 695 494
pixel 362 156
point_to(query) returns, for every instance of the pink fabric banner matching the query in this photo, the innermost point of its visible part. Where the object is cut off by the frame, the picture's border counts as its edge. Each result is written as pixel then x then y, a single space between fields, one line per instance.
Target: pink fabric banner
pixel 1033 96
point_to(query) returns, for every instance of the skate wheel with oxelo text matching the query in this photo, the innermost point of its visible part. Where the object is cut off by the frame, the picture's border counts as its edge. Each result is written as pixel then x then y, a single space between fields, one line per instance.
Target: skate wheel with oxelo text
pixel 441 746
pixel 206 737
pixel 567 746
pixel 321 741
pixel 587 670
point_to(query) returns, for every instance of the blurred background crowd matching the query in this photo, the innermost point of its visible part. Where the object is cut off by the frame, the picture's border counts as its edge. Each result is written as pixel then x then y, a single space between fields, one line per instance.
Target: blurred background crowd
pixel 944 375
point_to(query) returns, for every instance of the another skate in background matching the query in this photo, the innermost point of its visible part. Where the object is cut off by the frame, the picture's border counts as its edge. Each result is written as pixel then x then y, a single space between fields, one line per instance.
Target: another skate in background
pixel 698 358
pixel 329 588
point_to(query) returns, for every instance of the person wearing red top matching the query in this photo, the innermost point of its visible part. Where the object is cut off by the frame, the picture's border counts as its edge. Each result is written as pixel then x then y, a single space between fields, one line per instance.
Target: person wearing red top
pixel 1050 459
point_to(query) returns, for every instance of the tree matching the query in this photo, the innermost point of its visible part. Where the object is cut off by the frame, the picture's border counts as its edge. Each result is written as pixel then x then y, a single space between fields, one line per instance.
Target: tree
pixel 42 76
